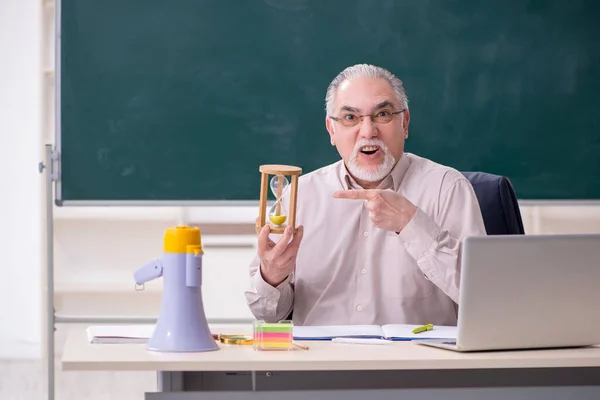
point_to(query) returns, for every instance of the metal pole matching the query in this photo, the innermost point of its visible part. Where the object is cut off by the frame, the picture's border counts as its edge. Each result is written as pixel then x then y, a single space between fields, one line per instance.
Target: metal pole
pixel 48 166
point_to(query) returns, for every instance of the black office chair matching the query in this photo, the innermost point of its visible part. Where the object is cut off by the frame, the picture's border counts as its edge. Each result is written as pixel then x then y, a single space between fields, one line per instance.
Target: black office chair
pixel 498 203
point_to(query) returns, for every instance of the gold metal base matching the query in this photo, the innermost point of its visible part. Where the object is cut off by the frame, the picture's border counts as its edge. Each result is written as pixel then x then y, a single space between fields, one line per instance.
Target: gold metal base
pixel 236 339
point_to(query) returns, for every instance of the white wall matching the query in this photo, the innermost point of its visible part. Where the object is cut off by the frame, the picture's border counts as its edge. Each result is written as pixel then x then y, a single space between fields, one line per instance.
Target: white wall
pixel 20 199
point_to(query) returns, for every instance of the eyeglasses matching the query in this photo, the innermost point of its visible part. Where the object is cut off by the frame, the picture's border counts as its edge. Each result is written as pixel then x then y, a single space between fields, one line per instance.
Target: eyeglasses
pixel 348 118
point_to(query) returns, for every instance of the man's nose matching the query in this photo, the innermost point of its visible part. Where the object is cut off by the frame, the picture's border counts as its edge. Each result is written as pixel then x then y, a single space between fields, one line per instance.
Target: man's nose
pixel 367 128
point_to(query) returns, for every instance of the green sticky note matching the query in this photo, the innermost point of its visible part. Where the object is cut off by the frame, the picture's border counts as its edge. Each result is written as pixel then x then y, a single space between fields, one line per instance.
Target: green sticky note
pixel 275 327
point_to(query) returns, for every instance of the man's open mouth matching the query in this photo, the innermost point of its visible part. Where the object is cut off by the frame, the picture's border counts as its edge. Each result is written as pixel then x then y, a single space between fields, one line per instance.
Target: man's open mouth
pixel 369 150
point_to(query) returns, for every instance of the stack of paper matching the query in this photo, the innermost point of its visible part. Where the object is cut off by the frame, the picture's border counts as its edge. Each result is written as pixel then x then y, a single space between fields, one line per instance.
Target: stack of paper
pixel 120 333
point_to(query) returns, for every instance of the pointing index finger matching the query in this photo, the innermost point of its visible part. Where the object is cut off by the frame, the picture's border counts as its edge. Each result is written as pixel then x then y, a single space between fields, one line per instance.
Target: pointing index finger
pixel 362 194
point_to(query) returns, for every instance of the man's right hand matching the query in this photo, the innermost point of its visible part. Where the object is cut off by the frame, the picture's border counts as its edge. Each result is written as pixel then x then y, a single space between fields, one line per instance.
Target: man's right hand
pixel 278 260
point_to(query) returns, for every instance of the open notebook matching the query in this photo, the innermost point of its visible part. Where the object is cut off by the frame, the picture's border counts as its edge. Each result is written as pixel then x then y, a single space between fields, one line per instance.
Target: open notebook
pixel 390 332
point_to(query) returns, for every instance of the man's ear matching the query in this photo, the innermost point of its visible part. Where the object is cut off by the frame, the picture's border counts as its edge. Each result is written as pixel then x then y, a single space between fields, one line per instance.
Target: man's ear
pixel 329 127
pixel 406 117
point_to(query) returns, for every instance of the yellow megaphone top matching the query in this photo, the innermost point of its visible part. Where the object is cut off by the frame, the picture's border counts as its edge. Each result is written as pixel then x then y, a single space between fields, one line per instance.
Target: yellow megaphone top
pixel 183 239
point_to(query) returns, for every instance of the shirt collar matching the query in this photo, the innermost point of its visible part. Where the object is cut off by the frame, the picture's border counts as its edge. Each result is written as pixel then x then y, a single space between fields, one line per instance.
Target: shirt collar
pixel 392 181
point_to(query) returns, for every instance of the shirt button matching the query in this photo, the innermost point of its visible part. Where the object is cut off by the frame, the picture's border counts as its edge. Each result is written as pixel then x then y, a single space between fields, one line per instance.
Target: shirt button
pixel 359 307
pixel 364 271
pixel 366 234
pixel 407 245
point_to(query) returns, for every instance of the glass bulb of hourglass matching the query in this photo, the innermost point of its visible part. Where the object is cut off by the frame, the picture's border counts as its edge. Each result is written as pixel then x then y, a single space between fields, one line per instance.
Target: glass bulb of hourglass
pixel 275 215
pixel 278 185
pixel 275 180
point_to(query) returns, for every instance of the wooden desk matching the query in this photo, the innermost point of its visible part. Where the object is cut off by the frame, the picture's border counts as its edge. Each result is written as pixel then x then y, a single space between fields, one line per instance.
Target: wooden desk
pixel 381 369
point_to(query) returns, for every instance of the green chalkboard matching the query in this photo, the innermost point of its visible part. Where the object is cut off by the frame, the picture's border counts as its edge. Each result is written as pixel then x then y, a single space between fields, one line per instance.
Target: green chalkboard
pixel 183 100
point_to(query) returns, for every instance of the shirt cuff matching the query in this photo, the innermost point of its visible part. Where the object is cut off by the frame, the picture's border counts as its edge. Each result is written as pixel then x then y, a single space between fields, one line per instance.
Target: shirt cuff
pixel 263 288
pixel 419 234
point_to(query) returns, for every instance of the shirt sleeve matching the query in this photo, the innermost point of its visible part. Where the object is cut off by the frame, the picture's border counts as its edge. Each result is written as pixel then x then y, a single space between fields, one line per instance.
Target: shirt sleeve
pixel 266 302
pixel 435 242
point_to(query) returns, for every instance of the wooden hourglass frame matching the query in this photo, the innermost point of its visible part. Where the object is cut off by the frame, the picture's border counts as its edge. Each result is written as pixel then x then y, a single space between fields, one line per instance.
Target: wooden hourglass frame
pixel 280 171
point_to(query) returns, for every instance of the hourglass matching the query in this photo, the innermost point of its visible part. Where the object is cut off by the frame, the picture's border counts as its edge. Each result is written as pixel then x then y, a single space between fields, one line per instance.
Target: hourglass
pixel 277 220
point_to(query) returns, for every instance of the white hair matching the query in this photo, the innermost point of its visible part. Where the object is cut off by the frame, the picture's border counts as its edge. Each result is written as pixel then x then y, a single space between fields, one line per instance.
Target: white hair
pixel 364 71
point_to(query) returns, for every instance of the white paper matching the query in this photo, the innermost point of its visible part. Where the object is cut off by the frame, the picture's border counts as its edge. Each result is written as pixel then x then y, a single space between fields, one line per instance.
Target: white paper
pixel 361 341
pixel 120 333
pixel 405 332
pixel 331 331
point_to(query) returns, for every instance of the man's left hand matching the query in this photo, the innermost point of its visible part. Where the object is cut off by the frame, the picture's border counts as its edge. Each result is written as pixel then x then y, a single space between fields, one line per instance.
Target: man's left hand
pixel 387 209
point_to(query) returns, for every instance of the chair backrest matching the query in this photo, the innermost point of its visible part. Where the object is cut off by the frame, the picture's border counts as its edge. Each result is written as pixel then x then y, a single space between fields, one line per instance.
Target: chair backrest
pixel 498 203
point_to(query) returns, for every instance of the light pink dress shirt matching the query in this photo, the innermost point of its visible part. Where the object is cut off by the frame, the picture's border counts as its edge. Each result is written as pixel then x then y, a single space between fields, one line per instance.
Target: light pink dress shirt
pixel 349 272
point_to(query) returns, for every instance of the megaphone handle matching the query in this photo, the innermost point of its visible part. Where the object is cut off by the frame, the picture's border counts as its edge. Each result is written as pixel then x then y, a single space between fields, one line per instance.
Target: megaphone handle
pixel 148 272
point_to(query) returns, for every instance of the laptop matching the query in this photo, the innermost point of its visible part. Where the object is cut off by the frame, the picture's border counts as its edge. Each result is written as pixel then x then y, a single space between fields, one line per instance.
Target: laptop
pixel 527 292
